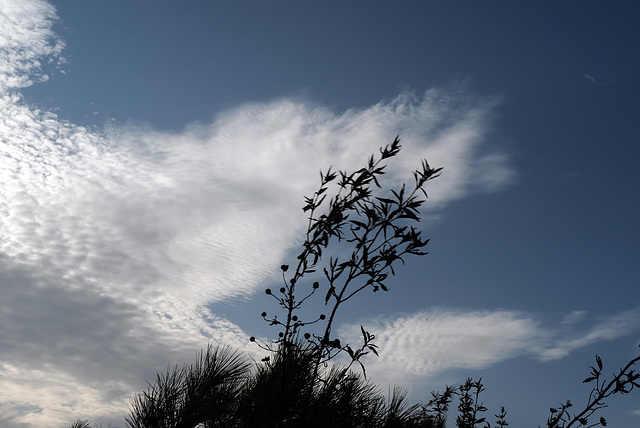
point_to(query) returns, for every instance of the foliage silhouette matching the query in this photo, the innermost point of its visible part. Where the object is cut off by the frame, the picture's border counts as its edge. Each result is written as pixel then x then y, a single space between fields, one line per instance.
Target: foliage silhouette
pixel 335 397
pixel 299 383
pixel 622 383
pixel 469 406
pixel 206 392
pixel 80 423
pixel 380 232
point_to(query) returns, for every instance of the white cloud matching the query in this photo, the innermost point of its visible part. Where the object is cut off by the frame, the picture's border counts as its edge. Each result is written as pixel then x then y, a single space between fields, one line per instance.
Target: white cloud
pixel 604 328
pixel 27 42
pixel 208 212
pixel 428 343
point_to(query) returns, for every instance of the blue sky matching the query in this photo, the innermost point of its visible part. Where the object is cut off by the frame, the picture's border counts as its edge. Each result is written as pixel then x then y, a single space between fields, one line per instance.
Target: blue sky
pixel 154 158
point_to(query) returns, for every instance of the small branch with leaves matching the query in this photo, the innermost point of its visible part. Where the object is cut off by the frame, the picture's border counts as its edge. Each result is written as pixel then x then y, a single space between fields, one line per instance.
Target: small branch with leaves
pixel 380 231
pixel 622 383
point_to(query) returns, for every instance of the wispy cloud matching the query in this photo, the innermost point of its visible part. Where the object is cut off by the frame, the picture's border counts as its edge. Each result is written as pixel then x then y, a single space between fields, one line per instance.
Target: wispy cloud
pixel 428 343
pixel 592 79
pixel 603 328
pixel 574 317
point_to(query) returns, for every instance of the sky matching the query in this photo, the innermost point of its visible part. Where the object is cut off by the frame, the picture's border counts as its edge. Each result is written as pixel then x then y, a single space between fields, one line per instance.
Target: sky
pixel 154 156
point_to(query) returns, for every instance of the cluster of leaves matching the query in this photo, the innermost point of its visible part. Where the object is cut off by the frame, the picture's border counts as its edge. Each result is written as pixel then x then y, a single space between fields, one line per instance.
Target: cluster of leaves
pixel 470 409
pixel 186 396
pixel 80 423
pixel 622 383
pixel 380 233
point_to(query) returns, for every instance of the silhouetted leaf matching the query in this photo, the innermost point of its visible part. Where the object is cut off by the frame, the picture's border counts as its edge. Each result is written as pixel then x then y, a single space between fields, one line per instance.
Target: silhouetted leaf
pixel 329 293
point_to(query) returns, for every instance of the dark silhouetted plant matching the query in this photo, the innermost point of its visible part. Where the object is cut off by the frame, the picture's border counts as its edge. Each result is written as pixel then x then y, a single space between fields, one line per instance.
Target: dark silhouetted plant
pixel 501 422
pixel 80 423
pixel 470 407
pixel 299 383
pixel 435 411
pixel 379 230
pixel 205 392
pixel 622 383
pixel 335 397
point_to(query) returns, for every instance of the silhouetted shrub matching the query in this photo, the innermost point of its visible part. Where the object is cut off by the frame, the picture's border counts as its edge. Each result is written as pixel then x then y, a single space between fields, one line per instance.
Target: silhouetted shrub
pixel 298 384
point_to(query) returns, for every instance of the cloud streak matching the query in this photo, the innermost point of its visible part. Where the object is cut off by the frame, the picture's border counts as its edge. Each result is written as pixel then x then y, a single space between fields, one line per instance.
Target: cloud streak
pixel 593 80
pixel 428 343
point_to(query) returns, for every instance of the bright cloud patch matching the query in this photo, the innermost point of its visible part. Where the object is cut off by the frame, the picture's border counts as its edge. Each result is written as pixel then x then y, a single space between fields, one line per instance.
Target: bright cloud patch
pixel 27 42
pixel 427 343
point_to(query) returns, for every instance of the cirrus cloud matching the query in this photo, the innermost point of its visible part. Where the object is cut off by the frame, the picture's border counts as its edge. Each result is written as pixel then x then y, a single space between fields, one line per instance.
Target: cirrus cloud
pixel 430 342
